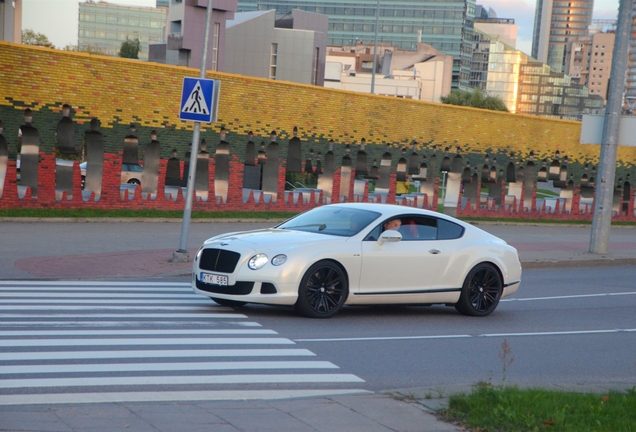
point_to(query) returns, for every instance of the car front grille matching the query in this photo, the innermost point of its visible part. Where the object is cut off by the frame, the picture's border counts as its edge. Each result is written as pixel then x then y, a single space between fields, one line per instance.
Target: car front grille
pixel 218 260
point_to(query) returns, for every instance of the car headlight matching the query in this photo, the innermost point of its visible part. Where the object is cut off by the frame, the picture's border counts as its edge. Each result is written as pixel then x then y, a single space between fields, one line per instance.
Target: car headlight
pixel 257 261
pixel 279 259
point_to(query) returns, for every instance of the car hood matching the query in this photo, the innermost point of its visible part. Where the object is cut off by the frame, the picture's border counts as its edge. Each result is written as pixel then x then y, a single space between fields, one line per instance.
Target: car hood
pixel 267 238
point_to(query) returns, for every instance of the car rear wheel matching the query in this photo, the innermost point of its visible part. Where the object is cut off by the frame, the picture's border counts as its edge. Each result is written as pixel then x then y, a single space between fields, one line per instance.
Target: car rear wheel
pixel 134 181
pixel 229 303
pixel 323 290
pixel 481 291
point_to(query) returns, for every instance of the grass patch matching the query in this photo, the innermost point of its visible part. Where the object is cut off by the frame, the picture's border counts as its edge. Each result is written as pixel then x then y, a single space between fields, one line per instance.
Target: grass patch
pixel 124 213
pixel 493 409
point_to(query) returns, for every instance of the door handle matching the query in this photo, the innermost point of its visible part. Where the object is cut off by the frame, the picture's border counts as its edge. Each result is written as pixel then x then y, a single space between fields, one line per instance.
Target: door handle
pixel 435 251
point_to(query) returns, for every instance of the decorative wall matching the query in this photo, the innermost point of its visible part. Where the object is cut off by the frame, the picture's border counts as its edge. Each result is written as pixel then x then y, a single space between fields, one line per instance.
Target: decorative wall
pixel 403 140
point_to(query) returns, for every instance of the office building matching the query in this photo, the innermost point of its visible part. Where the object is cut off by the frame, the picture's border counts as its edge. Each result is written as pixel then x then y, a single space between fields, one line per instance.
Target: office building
pixel 527 86
pixel 446 25
pixel 555 24
pixel 424 74
pixel 289 48
pixel 11 21
pixel 106 26
pixel 589 61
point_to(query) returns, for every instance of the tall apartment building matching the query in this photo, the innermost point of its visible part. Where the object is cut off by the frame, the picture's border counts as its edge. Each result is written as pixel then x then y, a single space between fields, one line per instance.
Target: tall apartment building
pixel 187 19
pixel 589 61
pixel 630 84
pixel 11 21
pixel 527 86
pixel 555 24
pixel 446 25
pixel 106 25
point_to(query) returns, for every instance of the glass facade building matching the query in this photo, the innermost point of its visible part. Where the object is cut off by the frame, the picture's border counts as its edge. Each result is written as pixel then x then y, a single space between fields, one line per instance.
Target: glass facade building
pixel 106 26
pixel 555 24
pixel 527 86
pixel 446 25
pixel 630 84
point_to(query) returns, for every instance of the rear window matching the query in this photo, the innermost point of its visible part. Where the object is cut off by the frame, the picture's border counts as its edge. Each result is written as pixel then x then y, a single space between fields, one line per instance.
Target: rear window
pixel 447 230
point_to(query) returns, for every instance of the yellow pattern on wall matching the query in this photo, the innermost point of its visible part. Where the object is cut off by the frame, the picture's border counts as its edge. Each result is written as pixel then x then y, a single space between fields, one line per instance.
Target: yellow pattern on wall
pixel 128 91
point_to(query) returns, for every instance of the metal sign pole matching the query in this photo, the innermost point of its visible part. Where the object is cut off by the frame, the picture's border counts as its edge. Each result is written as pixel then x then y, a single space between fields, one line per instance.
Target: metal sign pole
pixel 601 223
pixel 182 255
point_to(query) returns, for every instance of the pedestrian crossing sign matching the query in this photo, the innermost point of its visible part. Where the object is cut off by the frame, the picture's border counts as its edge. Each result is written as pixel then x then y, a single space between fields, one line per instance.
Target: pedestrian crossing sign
pixel 199 100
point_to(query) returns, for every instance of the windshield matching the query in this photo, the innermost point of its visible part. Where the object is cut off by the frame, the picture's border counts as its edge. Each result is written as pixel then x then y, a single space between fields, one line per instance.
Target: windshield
pixel 331 220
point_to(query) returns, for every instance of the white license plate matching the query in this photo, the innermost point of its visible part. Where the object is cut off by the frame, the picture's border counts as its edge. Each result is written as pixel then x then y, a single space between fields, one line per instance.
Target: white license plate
pixel 212 278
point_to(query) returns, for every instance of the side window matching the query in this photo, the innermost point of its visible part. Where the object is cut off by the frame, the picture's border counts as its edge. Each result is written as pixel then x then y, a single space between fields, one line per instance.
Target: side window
pixel 420 228
pixel 374 235
pixel 448 230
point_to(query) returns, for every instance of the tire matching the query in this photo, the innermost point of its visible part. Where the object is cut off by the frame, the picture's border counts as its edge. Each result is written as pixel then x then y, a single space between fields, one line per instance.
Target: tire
pixel 229 303
pixel 481 291
pixel 83 182
pixel 134 181
pixel 323 290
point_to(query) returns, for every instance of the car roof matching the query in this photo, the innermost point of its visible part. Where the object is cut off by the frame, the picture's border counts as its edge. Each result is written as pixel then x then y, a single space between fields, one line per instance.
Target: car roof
pixel 388 210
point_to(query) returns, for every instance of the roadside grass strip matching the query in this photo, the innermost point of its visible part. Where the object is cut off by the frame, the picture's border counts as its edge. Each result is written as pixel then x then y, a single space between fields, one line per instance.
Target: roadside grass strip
pixel 490 408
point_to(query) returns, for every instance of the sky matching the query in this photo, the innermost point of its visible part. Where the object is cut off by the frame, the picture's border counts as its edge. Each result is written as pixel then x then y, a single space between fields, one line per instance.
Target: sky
pixel 57 19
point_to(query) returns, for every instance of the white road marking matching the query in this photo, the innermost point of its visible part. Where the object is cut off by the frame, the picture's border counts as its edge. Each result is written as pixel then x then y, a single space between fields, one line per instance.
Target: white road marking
pixel 92 284
pixel 570 296
pixel 51 301
pixel 192 332
pixel 93 324
pixel 139 341
pixel 211 307
pixel 171 396
pixel 560 333
pixel 165 367
pixel 205 314
pixel 138 354
pixel 179 380
pixel 99 295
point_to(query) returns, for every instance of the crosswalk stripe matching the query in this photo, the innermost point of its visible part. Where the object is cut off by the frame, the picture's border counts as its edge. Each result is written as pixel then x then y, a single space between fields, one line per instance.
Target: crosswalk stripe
pixel 93 283
pixel 52 301
pixel 179 380
pixel 204 314
pixel 165 367
pixel 139 341
pixel 211 307
pixel 139 354
pixel 99 295
pixel 133 332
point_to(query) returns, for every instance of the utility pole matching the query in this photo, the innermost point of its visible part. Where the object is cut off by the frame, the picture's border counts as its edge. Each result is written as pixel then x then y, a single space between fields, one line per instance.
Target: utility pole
pixel 601 223
pixel 182 255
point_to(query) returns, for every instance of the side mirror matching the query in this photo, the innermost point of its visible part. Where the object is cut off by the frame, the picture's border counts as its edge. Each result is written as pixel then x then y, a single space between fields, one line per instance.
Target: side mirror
pixel 390 236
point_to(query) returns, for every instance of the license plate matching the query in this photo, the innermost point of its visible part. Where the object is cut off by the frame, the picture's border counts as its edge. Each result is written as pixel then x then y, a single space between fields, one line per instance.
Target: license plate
pixel 212 278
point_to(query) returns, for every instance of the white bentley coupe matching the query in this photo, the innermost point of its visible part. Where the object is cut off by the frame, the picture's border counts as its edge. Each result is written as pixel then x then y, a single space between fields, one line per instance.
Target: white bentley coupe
pixel 359 254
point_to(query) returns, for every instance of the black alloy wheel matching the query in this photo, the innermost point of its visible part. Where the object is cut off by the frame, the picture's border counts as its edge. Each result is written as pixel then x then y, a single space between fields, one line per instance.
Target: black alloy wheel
pixel 481 291
pixel 229 303
pixel 134 181
pixel 323 290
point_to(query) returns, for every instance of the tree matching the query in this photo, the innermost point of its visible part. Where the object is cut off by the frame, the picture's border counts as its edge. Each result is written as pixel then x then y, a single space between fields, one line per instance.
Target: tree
pixel 475 99
pixel 29 37
pixel 130 48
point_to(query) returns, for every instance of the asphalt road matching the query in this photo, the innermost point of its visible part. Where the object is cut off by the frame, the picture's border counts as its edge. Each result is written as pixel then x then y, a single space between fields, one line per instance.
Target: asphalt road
pixel 564 326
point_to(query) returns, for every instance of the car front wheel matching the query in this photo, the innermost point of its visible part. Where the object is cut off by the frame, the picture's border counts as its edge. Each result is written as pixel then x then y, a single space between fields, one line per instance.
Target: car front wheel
pixel 323 290
pixel 481 291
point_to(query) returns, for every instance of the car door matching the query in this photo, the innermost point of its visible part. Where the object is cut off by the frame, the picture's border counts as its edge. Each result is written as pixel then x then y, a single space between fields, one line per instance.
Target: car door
pixel 410 265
